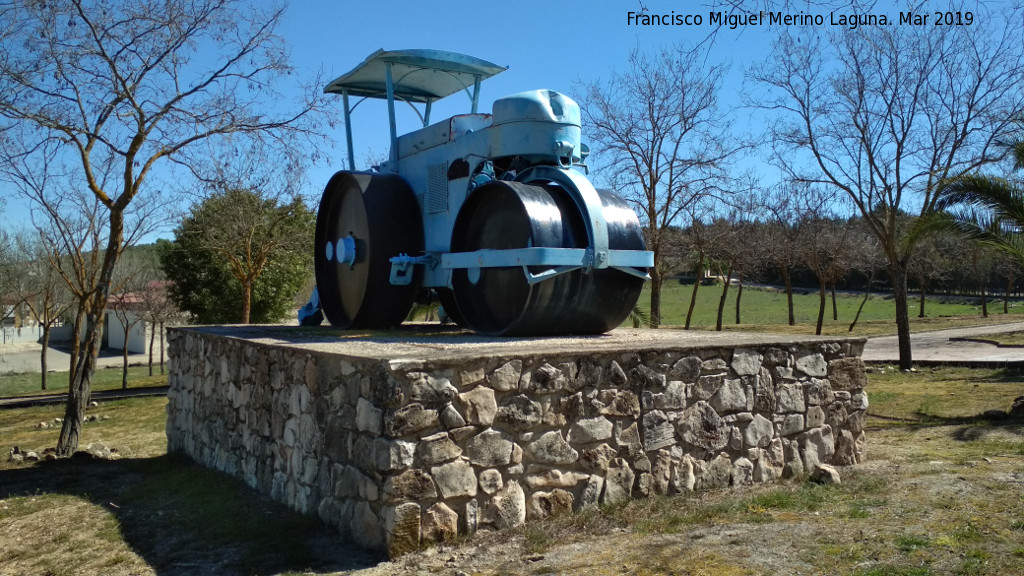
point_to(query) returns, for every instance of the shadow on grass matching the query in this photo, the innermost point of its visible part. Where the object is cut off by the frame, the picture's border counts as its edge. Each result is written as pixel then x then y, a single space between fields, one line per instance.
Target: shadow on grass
pixel 967 429
pixel 186 520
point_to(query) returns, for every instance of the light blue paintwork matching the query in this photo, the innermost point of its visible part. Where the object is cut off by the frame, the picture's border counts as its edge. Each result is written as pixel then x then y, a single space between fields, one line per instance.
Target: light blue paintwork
pixel 541 126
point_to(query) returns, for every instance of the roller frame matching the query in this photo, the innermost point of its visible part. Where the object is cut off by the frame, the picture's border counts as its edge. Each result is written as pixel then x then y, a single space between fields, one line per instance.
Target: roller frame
pixel 534 135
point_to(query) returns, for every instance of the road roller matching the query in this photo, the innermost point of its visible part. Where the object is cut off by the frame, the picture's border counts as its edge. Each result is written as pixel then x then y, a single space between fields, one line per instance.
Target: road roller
pixel 491 214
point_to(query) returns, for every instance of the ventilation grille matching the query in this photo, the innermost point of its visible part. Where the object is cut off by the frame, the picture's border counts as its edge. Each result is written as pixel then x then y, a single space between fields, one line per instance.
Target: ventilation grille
pixel 437 188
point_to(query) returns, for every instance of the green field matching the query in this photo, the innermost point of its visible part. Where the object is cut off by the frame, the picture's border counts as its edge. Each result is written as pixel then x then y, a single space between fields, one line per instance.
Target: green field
pixel 766 310
pixel 28 383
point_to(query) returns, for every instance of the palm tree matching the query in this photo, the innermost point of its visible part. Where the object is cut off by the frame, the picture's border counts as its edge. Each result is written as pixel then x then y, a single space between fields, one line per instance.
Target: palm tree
pixel 987 209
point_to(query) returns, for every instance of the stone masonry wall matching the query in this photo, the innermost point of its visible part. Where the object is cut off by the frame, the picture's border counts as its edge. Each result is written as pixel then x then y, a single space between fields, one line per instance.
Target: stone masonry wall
pixel 395 452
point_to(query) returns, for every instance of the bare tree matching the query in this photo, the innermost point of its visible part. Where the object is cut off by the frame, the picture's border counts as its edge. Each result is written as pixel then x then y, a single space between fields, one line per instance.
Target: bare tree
pixel 159 310
pixel 114 88
pixel 8 276
pixel 45 294
pixel 664 143
pixel 131 276
pixel 1010 269
pixel 888 114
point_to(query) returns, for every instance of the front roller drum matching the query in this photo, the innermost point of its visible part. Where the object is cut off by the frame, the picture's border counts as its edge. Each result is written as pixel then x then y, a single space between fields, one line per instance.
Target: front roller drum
pixel 500 301
pixel 365 219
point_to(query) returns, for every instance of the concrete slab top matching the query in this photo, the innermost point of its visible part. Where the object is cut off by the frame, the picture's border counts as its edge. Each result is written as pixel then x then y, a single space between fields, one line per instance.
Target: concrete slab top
pixel 445 342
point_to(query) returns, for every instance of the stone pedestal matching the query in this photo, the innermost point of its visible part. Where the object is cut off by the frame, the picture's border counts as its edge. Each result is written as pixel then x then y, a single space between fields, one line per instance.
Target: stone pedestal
pixel 425 433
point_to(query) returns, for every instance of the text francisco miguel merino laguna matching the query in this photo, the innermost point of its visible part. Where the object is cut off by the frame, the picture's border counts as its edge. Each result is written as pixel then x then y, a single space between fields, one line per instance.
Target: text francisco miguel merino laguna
pixel 762 18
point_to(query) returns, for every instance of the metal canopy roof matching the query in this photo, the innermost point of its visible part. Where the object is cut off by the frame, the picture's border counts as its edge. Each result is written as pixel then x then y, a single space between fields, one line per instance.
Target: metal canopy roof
pixel 418 75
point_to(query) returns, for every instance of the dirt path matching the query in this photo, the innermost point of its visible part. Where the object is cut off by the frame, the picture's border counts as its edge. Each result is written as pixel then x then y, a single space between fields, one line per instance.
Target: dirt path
pixel 940 346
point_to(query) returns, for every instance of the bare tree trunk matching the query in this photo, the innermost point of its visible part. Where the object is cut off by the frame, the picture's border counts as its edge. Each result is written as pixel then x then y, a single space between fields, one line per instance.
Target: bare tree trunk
pixel 124 362
pixel 835 310
pixel 656 282
pixel 79 387
pixel 84 362
pixel 739 295
pixel 860 308
pixel 693 293
pixel 821 307
pixel 152 339
pixel 721 301
pixel 42 354
pixel 984 301
pixel 898 277
pixel 1006 295
pixel 246 300
pixel 161 348
pixel 923 288
pixel 788 282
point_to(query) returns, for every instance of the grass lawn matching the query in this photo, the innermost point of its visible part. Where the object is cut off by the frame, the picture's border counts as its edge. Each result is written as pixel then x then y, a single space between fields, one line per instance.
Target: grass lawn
pixel 942 493
pixel 765 310
pixel 28 383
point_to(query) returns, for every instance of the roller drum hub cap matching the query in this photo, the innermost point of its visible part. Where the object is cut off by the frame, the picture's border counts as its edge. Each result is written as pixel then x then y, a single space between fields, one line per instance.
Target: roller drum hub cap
pixel 364 220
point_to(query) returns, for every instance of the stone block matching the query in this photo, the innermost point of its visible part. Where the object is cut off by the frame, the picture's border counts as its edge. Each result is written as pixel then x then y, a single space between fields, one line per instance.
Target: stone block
pixel 730 397
pixel 811 363
pixel 673 398
pixel 759 432
pixel 430 390
pixel 597 459
pixel 686 369
pixel 700 426
pixel 507 508
pixel 368 417
pixel 847 374
pixel 402 526
pixel 619 403
pixel 646 377
pixel 742 472
pixel 546 504
pixel 817 447
pixel 591 493
pixel 746 362
pixel 506 377
pixel 589 430
pixel 409 419
pixel 815 417
pixel 455 479
pixel 520 413
pixel 491 481
pixel 480 406
pixel 628 440
pixel 715 474
pixel 551 448
pixel 657 431
pixel 790 398
pixel 553 479
pixel 439 524
pixel 366 529
pixel 544 380
pixel 618 482
pixel 489 448
pixel 436 449
pixel 707 386
pixel 412 484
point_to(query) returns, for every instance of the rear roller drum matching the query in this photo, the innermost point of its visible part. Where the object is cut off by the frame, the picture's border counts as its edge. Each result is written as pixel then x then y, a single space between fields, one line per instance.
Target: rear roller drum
pixel 363 221
pixel 500 301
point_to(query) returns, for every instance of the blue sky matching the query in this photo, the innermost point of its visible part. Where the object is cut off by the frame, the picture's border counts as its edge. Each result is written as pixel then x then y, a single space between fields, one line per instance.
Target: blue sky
pixel 544 45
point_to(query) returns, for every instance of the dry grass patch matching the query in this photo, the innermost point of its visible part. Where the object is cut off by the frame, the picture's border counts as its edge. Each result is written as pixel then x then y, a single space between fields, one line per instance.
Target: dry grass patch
pixel 57 535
